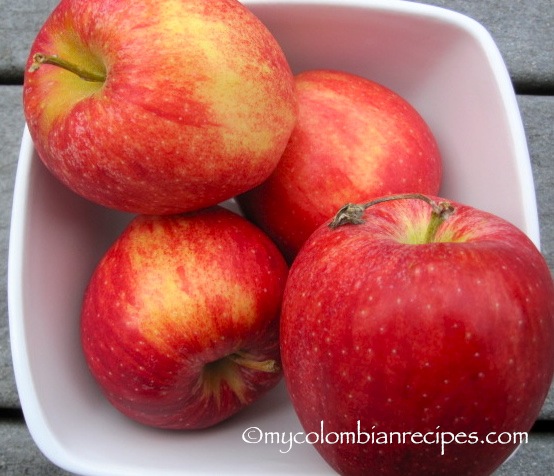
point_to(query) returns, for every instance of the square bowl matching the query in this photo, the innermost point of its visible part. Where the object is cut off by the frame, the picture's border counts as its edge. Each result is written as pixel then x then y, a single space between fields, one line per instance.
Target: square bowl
pixel 444 63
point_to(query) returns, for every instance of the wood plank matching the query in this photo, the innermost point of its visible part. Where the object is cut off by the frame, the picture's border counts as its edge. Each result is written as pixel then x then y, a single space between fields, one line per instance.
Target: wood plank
pixel 533 459
pixel 19 455
pixel 19 23
pixel 537 113
pixel 11 129
pixel 523 33
pixel 522 30
pixel 538 116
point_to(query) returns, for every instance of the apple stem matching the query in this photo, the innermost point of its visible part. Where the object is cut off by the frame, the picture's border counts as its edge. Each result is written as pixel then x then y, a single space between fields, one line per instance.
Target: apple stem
pixel 40 59
pixel 352 213
pixel 247 361
pixel 441 211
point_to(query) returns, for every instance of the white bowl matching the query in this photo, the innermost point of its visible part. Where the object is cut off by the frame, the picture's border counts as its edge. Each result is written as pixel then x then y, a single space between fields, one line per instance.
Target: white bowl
pixel 444 63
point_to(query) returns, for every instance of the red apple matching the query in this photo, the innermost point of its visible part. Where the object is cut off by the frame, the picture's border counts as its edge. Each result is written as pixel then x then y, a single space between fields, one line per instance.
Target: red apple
pixel 438 325
pixel 354 139
pixel 180 319
pixel 158 106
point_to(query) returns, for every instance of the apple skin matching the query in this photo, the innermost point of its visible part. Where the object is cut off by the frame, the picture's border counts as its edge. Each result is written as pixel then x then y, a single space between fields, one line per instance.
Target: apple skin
pixel 454 335
pixel 167 305
pixel 354 139
pixel 197 106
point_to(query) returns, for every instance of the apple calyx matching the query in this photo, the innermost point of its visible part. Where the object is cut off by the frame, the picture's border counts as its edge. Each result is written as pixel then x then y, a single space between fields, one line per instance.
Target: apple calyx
pixel 39 59
pixel 226 370
pixel 352 213
pixel 245 360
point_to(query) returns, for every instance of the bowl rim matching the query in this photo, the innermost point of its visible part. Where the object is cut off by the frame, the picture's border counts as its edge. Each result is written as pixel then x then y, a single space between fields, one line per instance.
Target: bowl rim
pixel 494 57
pixel 36 422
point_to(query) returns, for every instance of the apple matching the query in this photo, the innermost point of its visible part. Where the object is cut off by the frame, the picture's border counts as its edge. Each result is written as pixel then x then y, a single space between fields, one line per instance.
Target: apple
pixel 354 139
pixel 158 106
pixel 179 323
pixel 419 316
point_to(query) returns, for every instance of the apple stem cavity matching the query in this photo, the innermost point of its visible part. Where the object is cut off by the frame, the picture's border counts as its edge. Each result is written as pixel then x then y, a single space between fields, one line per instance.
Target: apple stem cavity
pixel 39 59
pixel 244 360
pixel 352 213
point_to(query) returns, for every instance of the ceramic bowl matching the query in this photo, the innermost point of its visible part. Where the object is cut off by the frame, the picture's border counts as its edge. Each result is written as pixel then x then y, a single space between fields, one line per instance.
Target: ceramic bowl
pixel 444 63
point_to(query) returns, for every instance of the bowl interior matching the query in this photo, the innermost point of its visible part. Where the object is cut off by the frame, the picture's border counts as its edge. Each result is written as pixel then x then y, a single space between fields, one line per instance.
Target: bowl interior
pixel 449 68
pixel 444 64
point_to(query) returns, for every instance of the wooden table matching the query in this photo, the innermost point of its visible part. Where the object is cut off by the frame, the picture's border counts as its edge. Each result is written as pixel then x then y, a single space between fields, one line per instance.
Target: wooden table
pixel 524 32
